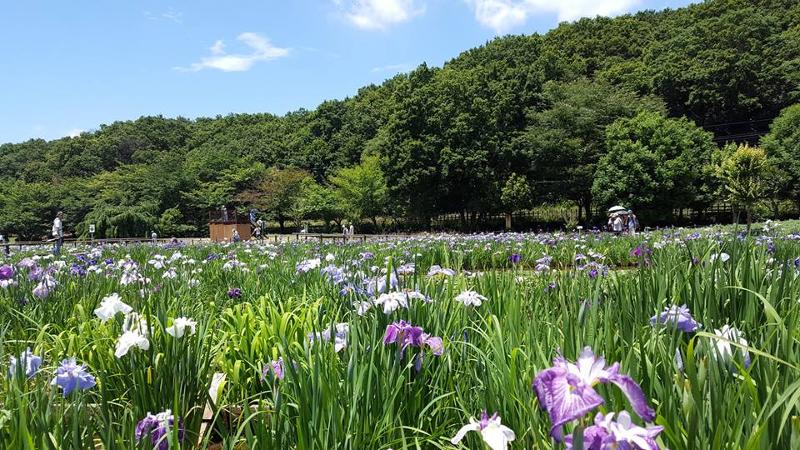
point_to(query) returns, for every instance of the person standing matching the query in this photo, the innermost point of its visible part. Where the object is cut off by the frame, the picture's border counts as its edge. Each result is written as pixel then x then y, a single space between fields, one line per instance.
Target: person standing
pixel 257 230
pixel 632 223
pixel 617 225
pixel 352 230
pixel 236 237
pixel 58 232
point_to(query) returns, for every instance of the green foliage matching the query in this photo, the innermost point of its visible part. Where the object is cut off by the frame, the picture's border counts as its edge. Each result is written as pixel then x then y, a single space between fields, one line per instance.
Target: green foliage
pixel 517 193
pixel 369 395
pixel 782 145
pixel 317 202
pixel 566 140
pixel 361 190
pixel 652 162
pixel 448 138
pixel 25 208
pixel 171 224
pixel 742 172
pixel 278 193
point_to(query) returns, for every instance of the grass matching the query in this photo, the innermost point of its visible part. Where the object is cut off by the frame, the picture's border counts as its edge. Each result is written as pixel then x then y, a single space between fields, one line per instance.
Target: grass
pixel 369 395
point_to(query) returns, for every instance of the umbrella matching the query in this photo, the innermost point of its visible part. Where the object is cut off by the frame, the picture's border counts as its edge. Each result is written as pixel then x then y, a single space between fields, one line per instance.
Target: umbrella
pixel 617 208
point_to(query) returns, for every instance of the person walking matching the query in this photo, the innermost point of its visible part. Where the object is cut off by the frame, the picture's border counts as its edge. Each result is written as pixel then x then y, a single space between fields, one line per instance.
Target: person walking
pixel 58 232
pixel 617 224
pixel 257 230
pixel 632 223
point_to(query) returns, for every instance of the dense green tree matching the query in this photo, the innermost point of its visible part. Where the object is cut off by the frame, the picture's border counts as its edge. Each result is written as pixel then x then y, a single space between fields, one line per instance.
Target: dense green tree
pixel 361 190
pixel 277 194
pixel 653 162
pixel 515 195
pixel 782 145
pixel 566 140
pixel 26 209
pixel 448 138
pixel 318 202
pixel 742 172
pixel 719 67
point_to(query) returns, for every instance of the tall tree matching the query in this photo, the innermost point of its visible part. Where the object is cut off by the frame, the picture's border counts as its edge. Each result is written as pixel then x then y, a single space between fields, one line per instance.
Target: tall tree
pixel 277 193
pixel 515 195
pixel 566 140
pixel 361 190
pixel 782 145
pixel 654 162
pixel 742 172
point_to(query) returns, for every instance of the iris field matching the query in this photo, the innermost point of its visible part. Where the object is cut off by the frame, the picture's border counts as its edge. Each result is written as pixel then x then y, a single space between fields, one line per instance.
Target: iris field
pixel 412 343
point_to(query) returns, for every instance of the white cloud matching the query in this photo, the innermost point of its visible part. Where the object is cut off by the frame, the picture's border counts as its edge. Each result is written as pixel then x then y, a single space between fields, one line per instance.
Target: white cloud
pixel 261 49
pixel 379 14
pixel 393 68
pixel 75 132
pixel 169 15
pixel 503 15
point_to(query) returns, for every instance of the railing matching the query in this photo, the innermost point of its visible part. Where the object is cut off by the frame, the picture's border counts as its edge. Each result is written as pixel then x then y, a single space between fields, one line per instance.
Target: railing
pixel 23 245
pixel 334 237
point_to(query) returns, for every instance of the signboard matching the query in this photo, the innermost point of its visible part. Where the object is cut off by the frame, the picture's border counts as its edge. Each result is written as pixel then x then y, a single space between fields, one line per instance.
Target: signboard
pixel 91 228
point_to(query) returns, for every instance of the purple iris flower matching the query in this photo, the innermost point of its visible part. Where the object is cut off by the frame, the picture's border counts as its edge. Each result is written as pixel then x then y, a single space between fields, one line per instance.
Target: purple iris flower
pixel 403 333
pixel 234 293
pixel 515 258
pixel 42 290
pixel 367 255
pixel 606 433
pixel 77 270
pixel 71 376
pixel 678 317
pixel 408 335
pixel 378 284
pixel 6 272
pixel 334 274
pixel 276 367
pixel 157 427
pixel 28 360
pixel 35 273
pixel 406 269
pixel 543 263
pixel 27 263
pixel 566 390
pixel 550 287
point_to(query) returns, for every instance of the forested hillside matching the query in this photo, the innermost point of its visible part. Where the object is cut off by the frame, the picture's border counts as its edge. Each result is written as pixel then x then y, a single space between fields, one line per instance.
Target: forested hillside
pixel 593 112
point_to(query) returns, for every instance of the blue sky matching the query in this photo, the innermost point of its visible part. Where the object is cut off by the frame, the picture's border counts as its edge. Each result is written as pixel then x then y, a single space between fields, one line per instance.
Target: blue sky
pixel 73 65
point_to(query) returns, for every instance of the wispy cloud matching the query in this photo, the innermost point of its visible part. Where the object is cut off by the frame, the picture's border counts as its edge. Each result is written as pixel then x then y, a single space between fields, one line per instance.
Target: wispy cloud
pixel 395 68
pixel 504 15
pixel 170 15
pixel 379 14
pixel 260 49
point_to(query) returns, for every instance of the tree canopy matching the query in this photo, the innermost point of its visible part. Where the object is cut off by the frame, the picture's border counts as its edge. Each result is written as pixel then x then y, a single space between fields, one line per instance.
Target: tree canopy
pixel 555 109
